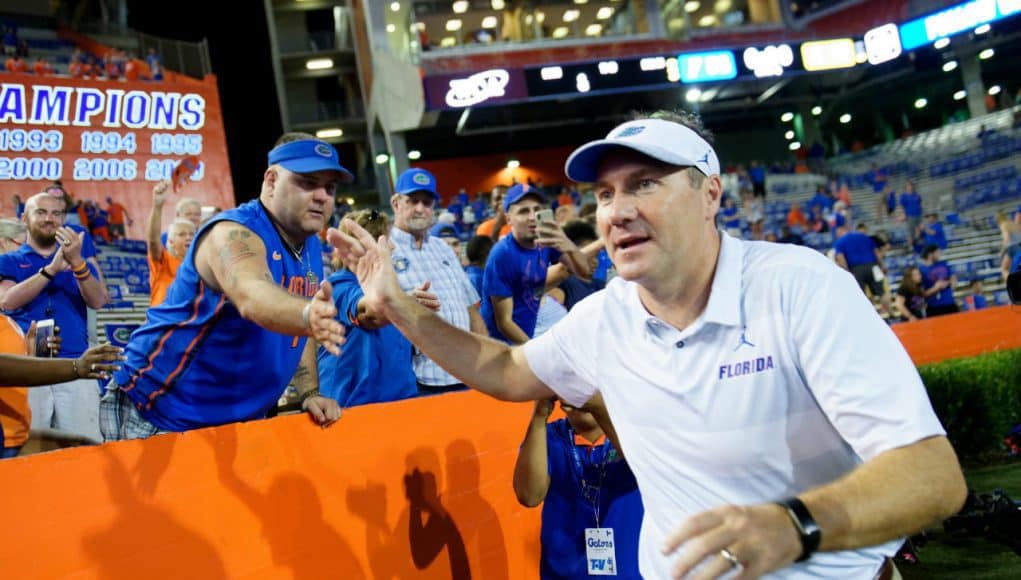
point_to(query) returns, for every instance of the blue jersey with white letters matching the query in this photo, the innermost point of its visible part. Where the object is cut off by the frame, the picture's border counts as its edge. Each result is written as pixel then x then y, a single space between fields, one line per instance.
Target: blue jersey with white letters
pixel 196 362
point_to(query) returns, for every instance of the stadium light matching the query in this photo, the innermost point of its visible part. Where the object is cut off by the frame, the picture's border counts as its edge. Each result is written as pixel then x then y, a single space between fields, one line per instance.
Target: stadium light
pixel 994 90
pixel 395 6
pixel 845 118
pixel 794 146
pixel 941 43
pixel 787 117
pixel 350 201
pixel 329 133
pixel 460 7
pixel 382 158
pixel 319 64
pixel 722 5
pixel 593 29
pixel 513 164
pixel 454 24
pixel 921 103
pixel 816 111
pixel 571 15
pixel 489 22
pixel 986 54
pixel 983 29
pixel 788 135
pixel 497 4
pixel 414 155
pixel 949 65
pixel 693 95
pixel 560 32
pixel 960 95
pixel 391 27
pixel 692 6
pixel 604 13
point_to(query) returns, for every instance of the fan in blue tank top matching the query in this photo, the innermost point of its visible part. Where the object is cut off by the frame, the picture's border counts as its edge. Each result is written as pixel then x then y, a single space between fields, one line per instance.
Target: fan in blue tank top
pixel 233 331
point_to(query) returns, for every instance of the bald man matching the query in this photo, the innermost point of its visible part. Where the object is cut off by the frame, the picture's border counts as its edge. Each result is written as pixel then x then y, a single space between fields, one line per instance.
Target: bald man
pixel 49 277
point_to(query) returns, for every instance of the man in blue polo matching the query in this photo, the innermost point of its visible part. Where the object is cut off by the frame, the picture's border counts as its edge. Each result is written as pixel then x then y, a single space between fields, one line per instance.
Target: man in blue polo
pixel 856 253
pixel 420 258
pixel 50 277
pixel 233 331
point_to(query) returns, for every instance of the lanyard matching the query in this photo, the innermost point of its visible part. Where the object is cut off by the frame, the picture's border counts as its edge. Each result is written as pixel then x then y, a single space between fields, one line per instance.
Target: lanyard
pixel 591 493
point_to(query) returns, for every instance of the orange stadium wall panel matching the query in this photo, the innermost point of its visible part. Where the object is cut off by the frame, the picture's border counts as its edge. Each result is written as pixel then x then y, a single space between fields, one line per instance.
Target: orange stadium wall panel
pixel 413 489
pixel 113 139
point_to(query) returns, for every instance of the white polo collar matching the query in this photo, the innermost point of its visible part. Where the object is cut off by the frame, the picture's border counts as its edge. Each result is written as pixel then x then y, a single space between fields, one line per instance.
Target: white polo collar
pixel 724 306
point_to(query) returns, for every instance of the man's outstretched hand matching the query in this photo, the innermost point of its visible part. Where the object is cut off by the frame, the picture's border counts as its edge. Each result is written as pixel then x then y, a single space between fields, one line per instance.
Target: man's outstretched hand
pixel 322 320
pixel 369 259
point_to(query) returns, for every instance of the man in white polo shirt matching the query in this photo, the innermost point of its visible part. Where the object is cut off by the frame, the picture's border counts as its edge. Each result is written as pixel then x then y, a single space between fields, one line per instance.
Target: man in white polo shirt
pixel 419 258
pixel 774 423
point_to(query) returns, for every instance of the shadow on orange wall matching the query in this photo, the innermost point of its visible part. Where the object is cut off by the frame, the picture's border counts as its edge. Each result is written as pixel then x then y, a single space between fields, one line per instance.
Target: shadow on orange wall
pixel 413 489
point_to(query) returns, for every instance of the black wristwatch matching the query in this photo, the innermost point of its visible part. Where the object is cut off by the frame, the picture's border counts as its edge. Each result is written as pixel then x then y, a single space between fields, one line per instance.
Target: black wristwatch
pixel 46 274
pixel 808 530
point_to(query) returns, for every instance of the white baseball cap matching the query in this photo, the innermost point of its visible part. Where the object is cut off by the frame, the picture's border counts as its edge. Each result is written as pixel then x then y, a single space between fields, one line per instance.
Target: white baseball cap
pixel 663 140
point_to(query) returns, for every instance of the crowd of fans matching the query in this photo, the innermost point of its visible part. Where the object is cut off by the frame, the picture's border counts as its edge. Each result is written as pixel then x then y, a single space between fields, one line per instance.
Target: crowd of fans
pixel 114 64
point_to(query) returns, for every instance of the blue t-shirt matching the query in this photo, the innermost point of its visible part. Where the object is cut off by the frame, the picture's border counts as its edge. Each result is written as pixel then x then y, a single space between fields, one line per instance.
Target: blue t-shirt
pixel 604 266
pixel 575 290
pixel 60 300
pixel 930 275
pixel 822 201
pixel 1016 264
pixel 475 275
pixel 374 366
pixel 912 204
pixel 878 180
pixel 857 249
pixel 566 511
pixel 934 235
pixel 757 174
pixel 517 273
pixel 196 362
pixel 975 302
pixel 891 201
pixel 730 217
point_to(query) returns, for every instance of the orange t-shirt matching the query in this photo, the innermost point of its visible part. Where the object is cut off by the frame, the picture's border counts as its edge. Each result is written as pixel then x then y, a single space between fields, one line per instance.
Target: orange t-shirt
pixel 116 212
pixel 15 416
pixel 161 275
pixel 486 228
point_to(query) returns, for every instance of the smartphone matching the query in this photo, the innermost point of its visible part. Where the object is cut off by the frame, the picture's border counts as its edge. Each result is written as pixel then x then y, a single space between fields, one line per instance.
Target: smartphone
pixel 544 215
pixel 43 333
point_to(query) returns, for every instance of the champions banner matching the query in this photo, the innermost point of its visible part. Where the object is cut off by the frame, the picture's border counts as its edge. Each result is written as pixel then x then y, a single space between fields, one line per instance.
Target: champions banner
pixel 113 139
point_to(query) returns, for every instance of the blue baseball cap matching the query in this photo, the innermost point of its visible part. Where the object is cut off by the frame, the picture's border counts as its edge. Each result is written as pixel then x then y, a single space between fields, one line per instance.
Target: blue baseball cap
pixel 417 179
pixel 309 156
pixel 444 231
pixel 518 192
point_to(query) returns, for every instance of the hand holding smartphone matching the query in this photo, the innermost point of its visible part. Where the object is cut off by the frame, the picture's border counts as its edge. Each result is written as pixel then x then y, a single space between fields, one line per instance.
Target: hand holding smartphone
pixel 44 331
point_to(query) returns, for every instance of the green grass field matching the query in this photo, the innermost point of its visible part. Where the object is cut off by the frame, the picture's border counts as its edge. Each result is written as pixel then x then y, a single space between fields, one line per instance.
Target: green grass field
pixel 947 557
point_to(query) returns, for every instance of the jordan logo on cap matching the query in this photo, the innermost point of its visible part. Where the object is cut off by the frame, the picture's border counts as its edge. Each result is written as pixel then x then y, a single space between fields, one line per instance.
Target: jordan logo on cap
pixel 704 159
pixel 631 131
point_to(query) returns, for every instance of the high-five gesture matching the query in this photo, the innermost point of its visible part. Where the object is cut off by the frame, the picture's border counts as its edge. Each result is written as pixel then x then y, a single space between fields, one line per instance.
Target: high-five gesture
pixel 369 259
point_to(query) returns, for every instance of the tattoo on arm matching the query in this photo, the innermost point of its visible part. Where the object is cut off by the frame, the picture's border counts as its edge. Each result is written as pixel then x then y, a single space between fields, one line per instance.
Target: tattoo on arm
pixel 236 251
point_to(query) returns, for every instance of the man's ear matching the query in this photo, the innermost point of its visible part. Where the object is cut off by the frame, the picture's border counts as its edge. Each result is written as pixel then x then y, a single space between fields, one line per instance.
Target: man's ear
pixel 714 195
pixel 269 179
pixel 394 200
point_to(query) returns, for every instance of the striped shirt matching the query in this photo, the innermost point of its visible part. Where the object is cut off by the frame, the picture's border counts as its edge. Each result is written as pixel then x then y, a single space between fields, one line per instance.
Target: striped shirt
pixel 436 262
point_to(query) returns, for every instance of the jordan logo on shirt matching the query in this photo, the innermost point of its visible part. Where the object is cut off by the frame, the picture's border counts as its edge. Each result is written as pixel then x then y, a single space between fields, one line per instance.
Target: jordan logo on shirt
pixel 743 342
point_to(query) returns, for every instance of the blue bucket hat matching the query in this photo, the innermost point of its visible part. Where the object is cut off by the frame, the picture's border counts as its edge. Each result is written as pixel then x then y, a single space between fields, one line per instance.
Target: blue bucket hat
pixel 417 179
pixel 309 156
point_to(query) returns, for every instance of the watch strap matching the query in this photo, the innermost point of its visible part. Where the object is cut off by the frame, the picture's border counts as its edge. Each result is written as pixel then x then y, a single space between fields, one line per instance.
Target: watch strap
pixel 804 523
